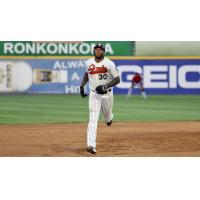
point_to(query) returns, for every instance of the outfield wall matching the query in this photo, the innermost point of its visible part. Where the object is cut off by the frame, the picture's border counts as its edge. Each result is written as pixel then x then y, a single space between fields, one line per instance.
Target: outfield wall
pixel 167 48
pixel 44 75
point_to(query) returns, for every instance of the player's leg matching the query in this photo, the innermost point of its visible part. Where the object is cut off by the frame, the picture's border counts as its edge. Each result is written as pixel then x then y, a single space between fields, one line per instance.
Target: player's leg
pixel 94 110
pixel 129 91
pixel 106 107
pixel 143 91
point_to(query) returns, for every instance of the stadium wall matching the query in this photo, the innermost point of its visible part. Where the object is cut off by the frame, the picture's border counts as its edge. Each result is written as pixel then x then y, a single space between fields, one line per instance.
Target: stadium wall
pixel 57 75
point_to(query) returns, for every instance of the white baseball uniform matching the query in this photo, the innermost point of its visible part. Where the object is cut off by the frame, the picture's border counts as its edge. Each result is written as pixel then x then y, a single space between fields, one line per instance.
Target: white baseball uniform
pixel 99 73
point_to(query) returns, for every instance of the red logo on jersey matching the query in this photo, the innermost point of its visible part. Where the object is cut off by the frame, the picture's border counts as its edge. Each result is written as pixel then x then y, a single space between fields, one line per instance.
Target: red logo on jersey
pixel 97 70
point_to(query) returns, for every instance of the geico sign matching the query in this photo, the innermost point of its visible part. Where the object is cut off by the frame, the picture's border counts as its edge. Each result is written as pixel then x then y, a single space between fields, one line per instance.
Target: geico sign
pixel 161 76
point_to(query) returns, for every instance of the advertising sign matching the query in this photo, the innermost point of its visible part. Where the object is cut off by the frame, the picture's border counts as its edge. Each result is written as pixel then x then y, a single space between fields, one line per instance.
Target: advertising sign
pixel 41 76
pixel 160 76
pixel 76 48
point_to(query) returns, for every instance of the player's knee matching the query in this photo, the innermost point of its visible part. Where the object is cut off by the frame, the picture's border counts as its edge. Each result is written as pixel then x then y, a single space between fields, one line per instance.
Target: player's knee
pixel 93 123
pixel 93 119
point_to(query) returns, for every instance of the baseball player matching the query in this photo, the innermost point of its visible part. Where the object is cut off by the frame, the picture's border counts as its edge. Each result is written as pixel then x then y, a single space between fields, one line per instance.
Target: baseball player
pixel 137 81
pixel 102 75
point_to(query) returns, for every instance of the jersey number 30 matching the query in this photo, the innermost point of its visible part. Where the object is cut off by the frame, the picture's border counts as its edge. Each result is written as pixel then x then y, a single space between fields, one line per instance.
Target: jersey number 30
pixel 102 76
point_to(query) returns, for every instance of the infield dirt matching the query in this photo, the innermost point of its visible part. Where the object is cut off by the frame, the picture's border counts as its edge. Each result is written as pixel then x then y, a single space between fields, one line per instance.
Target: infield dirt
pixel 121 139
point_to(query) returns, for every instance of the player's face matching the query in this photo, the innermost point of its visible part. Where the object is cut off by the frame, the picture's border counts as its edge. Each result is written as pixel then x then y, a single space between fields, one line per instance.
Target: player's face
pixel 98 52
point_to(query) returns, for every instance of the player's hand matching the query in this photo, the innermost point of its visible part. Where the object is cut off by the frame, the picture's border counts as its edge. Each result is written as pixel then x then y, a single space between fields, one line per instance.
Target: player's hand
pixel 82 92
pixel 101 89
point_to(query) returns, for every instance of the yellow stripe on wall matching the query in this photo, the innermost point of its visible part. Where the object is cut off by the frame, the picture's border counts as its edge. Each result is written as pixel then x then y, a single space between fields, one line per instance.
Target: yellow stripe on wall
pixel 110 57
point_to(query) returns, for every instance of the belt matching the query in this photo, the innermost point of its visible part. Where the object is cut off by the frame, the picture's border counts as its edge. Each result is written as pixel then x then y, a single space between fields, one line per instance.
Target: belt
pixel 105 93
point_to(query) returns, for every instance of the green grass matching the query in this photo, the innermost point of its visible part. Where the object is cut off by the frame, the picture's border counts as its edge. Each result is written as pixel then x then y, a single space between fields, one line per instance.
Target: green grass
pixel 72 108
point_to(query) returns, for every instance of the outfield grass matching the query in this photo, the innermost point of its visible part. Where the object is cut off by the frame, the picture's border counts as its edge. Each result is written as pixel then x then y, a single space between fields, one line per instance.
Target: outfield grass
pixel 72 108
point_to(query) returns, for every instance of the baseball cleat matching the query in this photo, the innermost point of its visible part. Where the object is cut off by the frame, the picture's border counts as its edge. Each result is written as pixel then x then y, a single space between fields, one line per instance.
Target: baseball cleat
pixel 91 150
pixel 109 123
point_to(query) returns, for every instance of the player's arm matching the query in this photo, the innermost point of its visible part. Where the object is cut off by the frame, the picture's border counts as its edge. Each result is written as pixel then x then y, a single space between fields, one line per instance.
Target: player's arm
pixel 114 82
pixel 115 73
pixel 84 81
pixel 101 89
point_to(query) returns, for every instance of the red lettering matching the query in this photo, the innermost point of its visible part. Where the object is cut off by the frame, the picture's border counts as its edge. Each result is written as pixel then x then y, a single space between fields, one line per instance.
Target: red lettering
pixel 97 70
